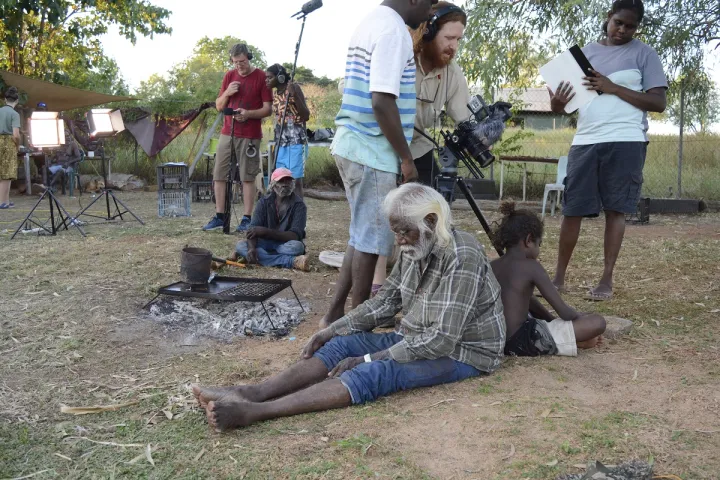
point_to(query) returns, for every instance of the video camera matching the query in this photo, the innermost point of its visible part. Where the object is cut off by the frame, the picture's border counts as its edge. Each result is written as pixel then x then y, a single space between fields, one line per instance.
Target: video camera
pixel 472 139
pixel 471 142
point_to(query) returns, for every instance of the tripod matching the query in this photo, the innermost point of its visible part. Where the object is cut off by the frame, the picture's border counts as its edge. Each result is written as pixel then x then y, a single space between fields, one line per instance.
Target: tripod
pixel 108 194
pixel 231 179
pixel 59 217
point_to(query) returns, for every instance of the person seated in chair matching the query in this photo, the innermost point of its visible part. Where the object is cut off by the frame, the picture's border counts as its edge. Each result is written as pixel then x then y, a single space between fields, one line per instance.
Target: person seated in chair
pixel 64 160
pixel 276 232
pixel 452 328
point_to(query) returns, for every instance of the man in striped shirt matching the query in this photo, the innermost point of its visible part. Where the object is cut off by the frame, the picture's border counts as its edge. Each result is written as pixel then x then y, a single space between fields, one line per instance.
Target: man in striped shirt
pixel 452 328
pixel 374 129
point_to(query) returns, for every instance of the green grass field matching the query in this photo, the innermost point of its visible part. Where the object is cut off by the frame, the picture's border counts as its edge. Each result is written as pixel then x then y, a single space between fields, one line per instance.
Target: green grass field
pixel 701 162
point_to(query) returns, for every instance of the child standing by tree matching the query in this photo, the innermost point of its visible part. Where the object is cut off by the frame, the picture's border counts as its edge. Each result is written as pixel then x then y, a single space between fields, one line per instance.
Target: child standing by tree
pixel 531 328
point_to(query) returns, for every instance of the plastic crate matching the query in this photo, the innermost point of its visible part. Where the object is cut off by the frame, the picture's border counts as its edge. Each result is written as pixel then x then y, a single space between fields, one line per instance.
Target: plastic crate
pixel 173 176
pixel 202 192
pixel 174 203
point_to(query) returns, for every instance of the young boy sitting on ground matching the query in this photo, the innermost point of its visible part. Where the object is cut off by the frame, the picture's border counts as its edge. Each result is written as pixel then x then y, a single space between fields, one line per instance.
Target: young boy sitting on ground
pixel 531 328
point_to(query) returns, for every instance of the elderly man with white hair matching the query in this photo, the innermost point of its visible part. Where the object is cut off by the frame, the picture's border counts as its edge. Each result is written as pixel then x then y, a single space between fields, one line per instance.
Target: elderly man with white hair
pixel 452 328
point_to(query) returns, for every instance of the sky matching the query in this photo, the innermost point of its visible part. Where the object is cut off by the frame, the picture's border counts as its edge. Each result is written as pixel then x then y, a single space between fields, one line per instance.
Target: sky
pixel 266 25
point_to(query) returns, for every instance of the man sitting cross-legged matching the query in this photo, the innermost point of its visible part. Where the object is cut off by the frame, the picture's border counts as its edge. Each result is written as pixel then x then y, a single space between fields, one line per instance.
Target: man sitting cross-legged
pixel 452 329
pixel 277 228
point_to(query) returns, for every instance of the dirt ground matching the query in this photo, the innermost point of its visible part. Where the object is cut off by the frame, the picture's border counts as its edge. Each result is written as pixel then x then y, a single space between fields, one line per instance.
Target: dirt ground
pixel 72 333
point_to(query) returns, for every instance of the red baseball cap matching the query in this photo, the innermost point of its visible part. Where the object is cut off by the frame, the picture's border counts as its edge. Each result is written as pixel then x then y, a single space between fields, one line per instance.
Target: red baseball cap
pixel 281 173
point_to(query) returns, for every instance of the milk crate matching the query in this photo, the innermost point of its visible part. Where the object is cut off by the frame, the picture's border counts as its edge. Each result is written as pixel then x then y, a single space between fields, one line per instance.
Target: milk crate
pixel 173 176
pixel 202 192
pixel 174 203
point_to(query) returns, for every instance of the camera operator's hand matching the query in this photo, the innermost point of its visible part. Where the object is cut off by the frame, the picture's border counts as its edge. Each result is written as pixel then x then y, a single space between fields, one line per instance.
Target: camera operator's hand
pixel 561 97
pixel 409 172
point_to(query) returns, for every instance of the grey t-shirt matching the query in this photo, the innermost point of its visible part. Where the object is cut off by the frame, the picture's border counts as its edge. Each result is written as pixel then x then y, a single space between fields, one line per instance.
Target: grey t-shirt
pixel 608 118
pixel 9 119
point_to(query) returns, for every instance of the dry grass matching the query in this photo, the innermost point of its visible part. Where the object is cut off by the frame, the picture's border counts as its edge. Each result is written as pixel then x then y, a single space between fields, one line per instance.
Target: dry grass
pixel 72 333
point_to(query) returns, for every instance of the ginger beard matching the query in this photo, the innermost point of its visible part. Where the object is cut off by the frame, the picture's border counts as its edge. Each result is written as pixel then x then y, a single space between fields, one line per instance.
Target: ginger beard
pixel 440 57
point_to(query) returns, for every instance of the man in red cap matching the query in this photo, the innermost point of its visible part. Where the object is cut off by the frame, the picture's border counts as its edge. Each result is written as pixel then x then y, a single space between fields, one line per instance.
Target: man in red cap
pixel 276 232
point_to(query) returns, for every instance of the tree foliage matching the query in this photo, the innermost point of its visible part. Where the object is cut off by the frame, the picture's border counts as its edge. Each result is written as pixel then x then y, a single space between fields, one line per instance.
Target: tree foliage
pixel 58 40
pixel 503 35
pixel 195 80
pixel 702 102
pixel 306 75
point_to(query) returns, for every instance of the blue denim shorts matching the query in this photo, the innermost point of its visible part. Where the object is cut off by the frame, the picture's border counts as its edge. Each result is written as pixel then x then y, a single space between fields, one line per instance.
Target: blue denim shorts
pixel 370 381
pixel 366 189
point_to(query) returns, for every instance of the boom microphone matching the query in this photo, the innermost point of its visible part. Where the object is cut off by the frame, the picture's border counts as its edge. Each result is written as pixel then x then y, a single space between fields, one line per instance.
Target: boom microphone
pixel 309 7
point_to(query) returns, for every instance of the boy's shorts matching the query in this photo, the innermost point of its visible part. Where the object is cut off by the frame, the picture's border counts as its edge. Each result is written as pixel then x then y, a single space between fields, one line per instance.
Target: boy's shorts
pixel 538 337
pixel 603 176
pixel 293 158
pixel 248 166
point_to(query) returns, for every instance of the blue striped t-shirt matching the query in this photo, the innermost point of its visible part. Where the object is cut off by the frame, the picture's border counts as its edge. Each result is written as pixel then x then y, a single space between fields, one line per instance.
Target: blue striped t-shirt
pixel 380 59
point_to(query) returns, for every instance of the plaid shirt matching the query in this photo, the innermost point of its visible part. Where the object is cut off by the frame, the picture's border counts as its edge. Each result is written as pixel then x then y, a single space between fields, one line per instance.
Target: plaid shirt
pixel 453 308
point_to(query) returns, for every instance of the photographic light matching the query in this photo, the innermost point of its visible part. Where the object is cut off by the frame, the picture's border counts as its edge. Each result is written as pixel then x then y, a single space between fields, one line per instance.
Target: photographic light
pixel 46 129
pixel 104 122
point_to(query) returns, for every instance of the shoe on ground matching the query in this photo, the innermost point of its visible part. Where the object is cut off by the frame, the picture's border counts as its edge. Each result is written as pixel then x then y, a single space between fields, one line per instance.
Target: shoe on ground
pixel 4 206
pixel 244 225
pixel 214 224
pixel 302 263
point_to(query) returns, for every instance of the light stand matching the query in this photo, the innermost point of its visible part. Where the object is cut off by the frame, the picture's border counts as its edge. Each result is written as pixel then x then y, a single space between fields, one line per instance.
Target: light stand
pixel 48 130
pixel 301 15
pixel 102 123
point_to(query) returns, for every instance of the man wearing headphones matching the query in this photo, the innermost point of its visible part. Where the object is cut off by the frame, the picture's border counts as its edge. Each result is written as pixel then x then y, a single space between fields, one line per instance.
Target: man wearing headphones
pixel 243 89
pixel 440 84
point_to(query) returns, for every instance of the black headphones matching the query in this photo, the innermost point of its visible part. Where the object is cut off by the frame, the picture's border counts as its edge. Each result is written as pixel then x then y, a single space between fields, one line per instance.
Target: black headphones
pixel 431 26
pixel 281 78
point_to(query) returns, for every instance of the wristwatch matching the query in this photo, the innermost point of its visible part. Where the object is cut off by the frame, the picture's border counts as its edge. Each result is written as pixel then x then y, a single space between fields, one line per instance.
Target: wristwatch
pixel 367 358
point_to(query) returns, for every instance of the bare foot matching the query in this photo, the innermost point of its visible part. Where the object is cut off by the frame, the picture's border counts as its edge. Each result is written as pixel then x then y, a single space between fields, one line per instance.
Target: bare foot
pixel 592 343
pixel 203 395
pixel 224 416
pixel 330 317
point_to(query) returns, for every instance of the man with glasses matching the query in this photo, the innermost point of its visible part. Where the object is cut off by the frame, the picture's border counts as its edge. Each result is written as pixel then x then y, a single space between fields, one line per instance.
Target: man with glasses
pixel 439 82
pixel 244 90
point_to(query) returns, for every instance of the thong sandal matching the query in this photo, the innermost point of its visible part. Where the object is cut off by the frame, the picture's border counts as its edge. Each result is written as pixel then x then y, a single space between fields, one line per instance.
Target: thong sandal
pixel 594 296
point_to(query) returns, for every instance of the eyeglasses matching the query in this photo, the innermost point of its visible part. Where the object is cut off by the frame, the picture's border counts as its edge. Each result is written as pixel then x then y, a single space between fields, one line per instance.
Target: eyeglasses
pixel 428 101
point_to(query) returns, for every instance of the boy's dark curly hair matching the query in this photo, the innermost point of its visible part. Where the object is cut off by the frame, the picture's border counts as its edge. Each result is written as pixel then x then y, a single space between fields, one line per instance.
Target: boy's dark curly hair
pixel 515 226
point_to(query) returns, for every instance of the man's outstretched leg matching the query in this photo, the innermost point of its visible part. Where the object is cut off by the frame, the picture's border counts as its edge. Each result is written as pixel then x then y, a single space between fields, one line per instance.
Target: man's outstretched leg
pixel 224 415
pixel 301 375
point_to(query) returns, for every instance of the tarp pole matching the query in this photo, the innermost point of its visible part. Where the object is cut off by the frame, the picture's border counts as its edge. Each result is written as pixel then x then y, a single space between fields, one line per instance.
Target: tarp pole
pixel 205 143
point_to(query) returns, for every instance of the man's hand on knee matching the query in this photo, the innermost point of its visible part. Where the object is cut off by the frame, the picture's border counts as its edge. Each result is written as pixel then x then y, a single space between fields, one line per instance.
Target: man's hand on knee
pixel 345 365
pixel 317 341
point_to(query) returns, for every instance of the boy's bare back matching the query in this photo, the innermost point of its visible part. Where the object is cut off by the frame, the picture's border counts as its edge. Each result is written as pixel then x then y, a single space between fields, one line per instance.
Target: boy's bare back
pixel 516 278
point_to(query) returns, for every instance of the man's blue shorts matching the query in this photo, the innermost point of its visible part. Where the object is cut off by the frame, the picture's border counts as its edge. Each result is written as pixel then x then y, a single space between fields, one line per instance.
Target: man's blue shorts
pixel 293 158
pixel 369 381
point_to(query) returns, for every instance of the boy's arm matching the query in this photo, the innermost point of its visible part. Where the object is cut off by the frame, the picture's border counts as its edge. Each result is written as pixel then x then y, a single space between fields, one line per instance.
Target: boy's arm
pixel 549 292
pixel 538 310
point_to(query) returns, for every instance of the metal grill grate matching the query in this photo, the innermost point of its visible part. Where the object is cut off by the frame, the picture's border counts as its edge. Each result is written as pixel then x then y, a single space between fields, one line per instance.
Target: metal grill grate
pixel 253 290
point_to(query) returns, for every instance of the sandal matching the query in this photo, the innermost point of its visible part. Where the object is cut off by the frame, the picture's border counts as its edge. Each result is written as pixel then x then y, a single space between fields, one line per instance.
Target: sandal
pixel 595 296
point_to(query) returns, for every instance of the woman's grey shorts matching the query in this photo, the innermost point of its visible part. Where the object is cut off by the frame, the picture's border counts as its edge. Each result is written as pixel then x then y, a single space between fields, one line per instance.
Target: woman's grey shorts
pixel 604 176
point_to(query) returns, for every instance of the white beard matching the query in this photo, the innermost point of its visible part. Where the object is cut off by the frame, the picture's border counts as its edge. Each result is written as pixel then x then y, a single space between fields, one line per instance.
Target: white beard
pixel 420 250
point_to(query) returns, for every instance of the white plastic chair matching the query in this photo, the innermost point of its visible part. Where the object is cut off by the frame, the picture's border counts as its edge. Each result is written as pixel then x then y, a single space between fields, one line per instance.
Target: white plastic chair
pixel 556 187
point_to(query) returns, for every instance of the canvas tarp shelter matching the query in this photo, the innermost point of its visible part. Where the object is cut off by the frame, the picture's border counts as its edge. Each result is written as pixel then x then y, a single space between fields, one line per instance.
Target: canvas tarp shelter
pixel 58 98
